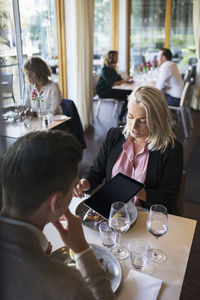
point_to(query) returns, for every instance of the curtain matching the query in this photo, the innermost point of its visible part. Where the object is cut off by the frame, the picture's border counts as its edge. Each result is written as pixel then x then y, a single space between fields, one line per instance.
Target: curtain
pixel 196 27
pixel 79 43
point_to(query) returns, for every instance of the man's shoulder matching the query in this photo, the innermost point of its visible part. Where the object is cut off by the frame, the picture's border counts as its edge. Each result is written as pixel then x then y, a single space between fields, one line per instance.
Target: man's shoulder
pixel 168 64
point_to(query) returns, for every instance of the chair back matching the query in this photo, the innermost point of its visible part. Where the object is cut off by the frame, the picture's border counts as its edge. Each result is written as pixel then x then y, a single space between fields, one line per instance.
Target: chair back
pixel 74 125
pixel 180 199
pixel 95 80
pixel 185 99
pixel 190 73
pixel 6 83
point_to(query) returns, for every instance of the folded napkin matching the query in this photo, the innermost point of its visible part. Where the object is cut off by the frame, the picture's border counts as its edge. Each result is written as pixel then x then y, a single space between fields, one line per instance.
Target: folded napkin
pixel 140 286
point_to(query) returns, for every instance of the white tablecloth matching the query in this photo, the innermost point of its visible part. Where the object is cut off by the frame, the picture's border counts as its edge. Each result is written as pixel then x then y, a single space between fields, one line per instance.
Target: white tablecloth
pixel 176 243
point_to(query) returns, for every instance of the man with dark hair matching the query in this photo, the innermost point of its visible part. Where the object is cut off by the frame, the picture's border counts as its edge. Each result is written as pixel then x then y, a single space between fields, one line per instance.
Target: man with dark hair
pixel 38 174
pixel 170 80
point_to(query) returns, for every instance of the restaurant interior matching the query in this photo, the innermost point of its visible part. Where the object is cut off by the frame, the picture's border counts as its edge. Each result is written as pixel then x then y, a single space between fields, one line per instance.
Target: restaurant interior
pixel 73 37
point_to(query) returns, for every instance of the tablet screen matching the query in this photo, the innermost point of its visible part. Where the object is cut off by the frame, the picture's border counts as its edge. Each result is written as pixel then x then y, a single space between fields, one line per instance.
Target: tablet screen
pixel 120 188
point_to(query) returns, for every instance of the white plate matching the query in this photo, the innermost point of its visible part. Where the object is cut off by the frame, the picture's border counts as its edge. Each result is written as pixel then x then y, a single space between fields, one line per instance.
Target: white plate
pixel 59 117
pixel 111 264
pixel 82 209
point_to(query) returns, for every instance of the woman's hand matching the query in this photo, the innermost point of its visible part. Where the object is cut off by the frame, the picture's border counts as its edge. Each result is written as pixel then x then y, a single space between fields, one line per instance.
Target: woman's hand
pixel 141 195
pixel 82 186
pixel 119 82
pixel 130 79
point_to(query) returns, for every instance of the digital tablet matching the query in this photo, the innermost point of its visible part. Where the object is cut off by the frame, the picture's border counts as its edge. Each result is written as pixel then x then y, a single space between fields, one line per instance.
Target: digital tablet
pixel 120 188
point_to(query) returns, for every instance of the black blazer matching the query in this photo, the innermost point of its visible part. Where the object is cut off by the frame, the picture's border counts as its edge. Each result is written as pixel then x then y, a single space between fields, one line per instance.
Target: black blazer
pixel 164 170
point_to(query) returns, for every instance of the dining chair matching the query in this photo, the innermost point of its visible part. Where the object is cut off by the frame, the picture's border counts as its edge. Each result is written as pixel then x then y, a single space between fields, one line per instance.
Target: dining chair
pixel 184 107
pixel 6 86
pixel 74 125
pixel 100 100
pixel 180 199
pixel 190 73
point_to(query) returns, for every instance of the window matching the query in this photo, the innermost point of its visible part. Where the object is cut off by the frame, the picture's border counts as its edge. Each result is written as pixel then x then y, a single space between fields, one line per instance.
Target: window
pixel 37 20
pixel 182 38
pixel 147 33
pixel 39 36
pixel 102 32
pixel 8 51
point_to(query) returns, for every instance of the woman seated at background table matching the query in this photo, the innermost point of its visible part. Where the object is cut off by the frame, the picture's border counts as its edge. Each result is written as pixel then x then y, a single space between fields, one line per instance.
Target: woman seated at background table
pixel 146 150
pixel 42 94
pixel 108 78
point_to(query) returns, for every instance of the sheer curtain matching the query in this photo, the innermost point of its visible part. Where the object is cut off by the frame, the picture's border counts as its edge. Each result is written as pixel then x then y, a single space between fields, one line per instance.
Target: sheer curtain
pixel 196 26
pixel 79 43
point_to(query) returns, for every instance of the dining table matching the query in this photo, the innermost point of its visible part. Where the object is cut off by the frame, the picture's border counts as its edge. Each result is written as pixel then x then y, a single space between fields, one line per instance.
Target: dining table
pixel 11 130
pixel 139 79
pixel 176 243
pixel 133 85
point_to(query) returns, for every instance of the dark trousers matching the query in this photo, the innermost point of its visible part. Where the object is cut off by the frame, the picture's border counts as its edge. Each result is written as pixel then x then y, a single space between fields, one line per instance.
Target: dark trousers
pixel 172 101
pixel 118 95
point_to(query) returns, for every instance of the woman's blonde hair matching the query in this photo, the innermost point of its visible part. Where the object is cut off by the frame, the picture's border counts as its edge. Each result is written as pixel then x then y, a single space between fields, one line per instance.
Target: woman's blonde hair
pixel 109 59
pixel 39 67
pixel 158 117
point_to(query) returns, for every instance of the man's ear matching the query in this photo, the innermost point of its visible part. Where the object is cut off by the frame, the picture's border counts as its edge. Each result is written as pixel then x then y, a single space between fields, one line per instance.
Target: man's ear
pixel 54 202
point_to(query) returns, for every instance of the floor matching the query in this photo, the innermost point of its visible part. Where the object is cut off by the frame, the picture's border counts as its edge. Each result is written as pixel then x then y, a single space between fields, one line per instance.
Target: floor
pixel 96 133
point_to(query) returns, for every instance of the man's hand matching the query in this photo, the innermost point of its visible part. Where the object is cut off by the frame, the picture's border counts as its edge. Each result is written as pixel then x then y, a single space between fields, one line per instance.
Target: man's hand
pixel 72 235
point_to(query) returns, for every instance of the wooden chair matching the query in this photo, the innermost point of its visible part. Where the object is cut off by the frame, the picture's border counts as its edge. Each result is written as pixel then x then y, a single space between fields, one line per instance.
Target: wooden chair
pixel 180 199
pixel 184 107
pixel 6 86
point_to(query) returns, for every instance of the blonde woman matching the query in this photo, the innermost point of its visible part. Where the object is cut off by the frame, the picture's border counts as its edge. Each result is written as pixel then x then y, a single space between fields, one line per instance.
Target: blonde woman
pixel 42 94
pixel 146 150
pixel 108 78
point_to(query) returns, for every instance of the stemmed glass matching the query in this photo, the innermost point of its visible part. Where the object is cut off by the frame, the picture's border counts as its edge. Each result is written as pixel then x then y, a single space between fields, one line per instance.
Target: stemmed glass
pixel 157 225
pixel 18 114
pixel 119 221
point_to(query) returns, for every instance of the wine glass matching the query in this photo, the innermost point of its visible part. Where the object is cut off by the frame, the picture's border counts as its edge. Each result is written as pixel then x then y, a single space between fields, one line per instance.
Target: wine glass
pixel 18 113
pixel 119 221
pixel 157 225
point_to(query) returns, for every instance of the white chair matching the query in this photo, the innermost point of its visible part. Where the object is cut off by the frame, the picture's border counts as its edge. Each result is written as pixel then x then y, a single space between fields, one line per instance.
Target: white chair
pixel 100 100
pixel 184 107
pixel 190 73
pixel 6 82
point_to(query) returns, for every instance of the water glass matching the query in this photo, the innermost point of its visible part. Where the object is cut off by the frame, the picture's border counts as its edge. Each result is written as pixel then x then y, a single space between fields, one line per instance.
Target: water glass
pixel 108 236
pixel 139 253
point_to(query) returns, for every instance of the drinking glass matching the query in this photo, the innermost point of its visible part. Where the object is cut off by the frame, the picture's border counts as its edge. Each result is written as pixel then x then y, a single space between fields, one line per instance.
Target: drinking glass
pixel 119 221
pixel 107 235
pixel 157 225
pixel 139 253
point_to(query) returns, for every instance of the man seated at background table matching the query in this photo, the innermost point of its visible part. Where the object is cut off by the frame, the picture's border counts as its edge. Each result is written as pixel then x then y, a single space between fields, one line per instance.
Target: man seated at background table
pixel 39 172
pixel 170 80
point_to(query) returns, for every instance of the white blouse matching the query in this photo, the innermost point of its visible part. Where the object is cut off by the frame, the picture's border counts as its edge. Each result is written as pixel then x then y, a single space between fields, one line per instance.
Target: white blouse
pixel 170 80
pixel 48 99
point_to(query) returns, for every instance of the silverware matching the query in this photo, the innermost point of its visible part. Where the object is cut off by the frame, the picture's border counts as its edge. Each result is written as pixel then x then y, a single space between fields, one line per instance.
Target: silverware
pixel 68 260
